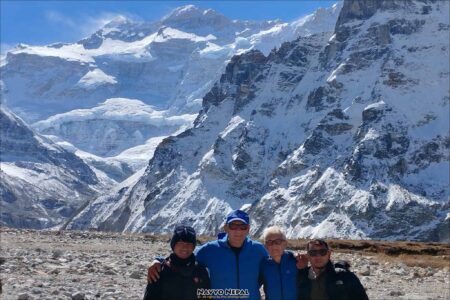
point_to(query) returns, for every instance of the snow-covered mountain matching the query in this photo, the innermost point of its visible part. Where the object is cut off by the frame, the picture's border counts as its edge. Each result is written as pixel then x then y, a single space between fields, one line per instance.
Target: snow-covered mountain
pixel 340 134
pixel 174 60
pixel 112 127
pixel 117 137
pixel 87 96
pixel 111 98
pixel 41 183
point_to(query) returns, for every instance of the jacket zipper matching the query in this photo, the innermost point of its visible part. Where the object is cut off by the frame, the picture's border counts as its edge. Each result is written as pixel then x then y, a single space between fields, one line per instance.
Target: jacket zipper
pixel 237 268
pixel 281 280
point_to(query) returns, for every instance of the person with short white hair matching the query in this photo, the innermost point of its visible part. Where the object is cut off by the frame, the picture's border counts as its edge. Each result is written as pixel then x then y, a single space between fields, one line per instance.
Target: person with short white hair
pixel 279 271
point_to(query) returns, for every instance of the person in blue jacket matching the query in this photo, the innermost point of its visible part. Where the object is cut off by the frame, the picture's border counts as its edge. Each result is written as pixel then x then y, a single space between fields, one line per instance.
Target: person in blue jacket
pixel 279 271
pixel 233 261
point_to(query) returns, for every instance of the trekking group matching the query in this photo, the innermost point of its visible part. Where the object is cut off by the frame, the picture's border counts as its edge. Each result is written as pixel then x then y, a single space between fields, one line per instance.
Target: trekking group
pixel 236 267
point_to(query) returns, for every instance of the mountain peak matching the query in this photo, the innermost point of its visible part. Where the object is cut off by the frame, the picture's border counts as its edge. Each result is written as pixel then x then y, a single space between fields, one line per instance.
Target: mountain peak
pixel 187 8
pixel 117 21
pixel 183 12
pixel 192 16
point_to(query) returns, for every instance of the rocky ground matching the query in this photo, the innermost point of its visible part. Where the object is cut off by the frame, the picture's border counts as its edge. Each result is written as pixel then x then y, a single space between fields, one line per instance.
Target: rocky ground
pixel 93 265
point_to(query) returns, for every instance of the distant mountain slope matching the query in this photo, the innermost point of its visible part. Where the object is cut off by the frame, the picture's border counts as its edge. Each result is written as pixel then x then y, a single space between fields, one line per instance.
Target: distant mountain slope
pixel 41 183
pixel 113 126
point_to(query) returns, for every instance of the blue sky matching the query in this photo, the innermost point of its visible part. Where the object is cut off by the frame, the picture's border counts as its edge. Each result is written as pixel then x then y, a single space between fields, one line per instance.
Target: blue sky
pixel 45 22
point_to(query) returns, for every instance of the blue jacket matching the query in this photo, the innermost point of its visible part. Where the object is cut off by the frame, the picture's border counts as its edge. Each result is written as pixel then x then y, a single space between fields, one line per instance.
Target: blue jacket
pixel 227 270
pixel 280 280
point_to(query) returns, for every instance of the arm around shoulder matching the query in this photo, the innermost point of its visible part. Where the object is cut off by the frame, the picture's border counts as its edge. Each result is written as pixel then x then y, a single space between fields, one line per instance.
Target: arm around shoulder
pixel 201 254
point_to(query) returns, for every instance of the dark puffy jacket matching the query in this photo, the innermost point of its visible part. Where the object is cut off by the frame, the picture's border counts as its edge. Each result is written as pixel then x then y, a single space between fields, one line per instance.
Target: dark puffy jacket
pixel 341 284
pixel 179 279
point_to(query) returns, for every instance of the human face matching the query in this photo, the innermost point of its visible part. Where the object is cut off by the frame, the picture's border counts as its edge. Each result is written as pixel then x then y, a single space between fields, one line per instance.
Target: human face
pixel 237 231
pixel 183 249
pixel 318 261
pixel 275 244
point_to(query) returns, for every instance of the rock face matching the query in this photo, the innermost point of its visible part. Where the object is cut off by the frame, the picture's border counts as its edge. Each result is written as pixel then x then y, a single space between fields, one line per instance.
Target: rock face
pixel 41 183
pixel 332 135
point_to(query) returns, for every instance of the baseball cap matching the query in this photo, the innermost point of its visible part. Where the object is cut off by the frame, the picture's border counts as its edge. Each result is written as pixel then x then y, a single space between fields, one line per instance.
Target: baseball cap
pixel 238 215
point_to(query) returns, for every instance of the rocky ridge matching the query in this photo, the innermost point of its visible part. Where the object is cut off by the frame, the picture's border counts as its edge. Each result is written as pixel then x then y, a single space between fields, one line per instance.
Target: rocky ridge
pixel 41 183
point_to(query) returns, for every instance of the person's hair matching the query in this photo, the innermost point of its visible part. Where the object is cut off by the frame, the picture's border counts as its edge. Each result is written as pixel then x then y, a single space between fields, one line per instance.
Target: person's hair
pixel 273 230
pixel 318 242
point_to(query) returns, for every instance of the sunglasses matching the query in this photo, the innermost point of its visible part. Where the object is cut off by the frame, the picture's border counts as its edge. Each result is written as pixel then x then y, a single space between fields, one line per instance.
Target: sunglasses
pixel 319 252
pixel 274 242
pixel 232 226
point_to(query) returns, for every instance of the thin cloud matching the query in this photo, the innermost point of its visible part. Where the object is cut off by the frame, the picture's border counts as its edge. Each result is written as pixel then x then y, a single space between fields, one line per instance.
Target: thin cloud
pixel 92 24
pixel 56 17
pixel 4 48
pixel 85 25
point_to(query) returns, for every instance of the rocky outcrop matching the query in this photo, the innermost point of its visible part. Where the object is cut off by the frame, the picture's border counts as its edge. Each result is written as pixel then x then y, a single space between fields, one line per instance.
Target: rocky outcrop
pixel 362 10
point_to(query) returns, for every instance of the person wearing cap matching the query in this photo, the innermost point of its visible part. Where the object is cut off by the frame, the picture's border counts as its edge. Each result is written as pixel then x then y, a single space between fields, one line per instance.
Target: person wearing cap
pixel 324 280
pixel 279 271
pixel 181 275
pixel 233 261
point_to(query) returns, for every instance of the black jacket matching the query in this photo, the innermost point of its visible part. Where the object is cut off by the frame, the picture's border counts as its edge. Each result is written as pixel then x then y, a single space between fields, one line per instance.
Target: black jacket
pixel 179 279
pixel 340 283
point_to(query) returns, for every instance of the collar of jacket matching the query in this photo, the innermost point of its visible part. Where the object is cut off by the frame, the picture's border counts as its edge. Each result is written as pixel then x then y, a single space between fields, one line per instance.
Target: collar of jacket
pixel 286 255
pixel 179 262
pixel 329 270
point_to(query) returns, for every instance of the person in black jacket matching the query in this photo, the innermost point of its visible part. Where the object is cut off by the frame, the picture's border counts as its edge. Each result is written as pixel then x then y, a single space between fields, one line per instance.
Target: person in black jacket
pixel 181 275
pixel 324 280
